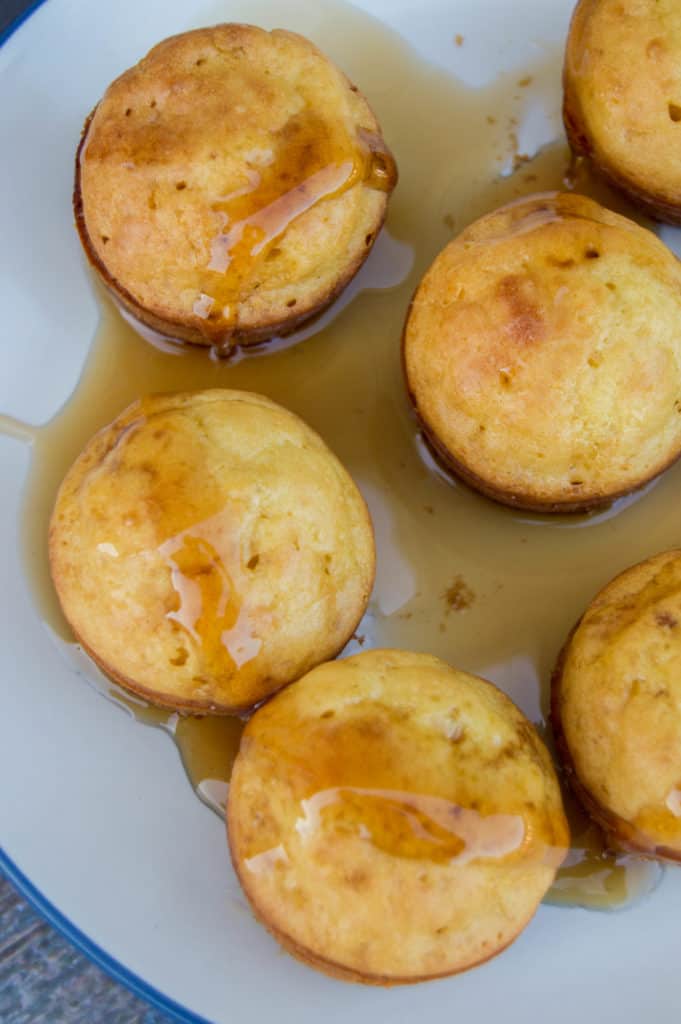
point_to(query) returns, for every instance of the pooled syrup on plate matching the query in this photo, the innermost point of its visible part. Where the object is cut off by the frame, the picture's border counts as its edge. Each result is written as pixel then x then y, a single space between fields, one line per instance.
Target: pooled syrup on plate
pixel 488 589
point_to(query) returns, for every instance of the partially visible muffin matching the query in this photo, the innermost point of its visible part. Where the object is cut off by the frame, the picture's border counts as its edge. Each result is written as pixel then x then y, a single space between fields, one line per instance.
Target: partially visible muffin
pixel 542 353
pixel 230 185
pixel 392 819
pixel 207 548
pixel 616 707
pixel 622 97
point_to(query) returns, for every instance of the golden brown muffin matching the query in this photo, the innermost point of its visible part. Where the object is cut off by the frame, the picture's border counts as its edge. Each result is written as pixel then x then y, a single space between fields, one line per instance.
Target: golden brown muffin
pixel 622 97
pixel 392 819
pixel 207 548
pixel 230 185
pixel 616 707
pixel 542 353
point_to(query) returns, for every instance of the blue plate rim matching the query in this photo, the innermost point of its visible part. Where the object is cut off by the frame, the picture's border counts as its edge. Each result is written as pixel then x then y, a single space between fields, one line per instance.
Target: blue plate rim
pixel 28 890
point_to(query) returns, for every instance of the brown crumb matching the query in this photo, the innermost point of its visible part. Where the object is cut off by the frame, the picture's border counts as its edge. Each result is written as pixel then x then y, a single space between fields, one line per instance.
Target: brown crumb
pixel 519 159
pixel 529 177
pixel 458 596
pixel 448 221
pixel 429 509
pixel 405 615
pixel 458 39
pixel 360 638
pixel 491 119
pixel 524 82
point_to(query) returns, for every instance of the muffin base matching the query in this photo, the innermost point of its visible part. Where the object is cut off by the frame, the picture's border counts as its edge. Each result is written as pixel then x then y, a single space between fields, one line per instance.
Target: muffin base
pixel 620 833
pixel 176 330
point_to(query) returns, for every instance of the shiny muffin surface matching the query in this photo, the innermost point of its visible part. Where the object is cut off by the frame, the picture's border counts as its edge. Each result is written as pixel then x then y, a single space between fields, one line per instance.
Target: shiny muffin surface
pixel 622 97
pixel 616 707
pixel 207 548
pixel 392 819
pixel 542 353
pixel 230 185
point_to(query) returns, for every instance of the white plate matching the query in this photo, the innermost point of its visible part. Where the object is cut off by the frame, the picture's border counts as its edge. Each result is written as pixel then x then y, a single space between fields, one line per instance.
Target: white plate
pixel 99 826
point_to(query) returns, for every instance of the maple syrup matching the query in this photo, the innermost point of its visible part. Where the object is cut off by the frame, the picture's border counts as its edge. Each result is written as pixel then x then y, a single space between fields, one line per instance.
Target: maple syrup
pixel 525 579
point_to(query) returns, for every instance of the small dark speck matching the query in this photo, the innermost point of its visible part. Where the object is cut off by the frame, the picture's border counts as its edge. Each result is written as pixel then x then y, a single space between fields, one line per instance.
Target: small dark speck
pixel 666 619
pixel 429 509
pixel 458 596
pixel 360 638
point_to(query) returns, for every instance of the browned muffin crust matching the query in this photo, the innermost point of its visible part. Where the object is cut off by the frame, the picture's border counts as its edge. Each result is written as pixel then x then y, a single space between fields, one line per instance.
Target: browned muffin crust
pixel 619 833
pixel 408 803
pixel 207 548
pixel 249 180
pixel 529 360
pixel 620 606
pixel 620 82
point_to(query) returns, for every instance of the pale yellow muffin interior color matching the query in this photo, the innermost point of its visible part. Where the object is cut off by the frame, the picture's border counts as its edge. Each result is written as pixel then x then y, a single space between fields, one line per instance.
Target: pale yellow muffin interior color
pixel 230 184
pixel 543 354
pixel 392 819
pixel 622 102
pixel 208 548
pixel 618 702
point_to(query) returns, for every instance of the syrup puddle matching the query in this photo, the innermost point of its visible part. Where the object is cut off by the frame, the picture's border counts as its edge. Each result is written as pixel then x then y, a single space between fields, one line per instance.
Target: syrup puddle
pixel 487 589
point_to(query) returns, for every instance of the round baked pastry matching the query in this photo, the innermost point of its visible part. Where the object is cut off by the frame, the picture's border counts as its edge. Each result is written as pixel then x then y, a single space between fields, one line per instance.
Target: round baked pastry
pixel 616 707
pixel 392 819
pixel 622 97
pixel 542 353
pixel 230 185
pixel 207 548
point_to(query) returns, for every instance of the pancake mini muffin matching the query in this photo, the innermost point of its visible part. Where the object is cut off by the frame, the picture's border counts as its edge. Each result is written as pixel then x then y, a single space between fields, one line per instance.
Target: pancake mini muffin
pixel 207 548
pixel 542 353
pixel 616 708
pixel 622 97
pixel 392 819
pixel 230 185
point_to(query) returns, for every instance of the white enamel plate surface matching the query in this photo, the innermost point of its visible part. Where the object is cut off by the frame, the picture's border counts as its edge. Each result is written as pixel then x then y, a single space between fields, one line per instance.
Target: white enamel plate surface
pixel 97 819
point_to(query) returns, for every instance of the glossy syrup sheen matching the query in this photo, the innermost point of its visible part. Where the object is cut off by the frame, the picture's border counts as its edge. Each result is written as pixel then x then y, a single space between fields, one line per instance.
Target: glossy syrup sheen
pixel 309 164
pixel 488 589
pixel 311 158
pixel 348 776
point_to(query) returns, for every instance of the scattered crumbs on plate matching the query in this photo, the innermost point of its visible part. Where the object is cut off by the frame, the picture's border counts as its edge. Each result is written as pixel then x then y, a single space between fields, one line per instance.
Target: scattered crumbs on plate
pixel 458 39
pixel 458 596
pixel 519 159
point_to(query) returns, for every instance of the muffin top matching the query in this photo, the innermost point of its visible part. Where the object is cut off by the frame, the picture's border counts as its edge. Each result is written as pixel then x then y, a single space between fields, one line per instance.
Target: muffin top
pixel 208 548
pixel 543 354
pixel 617 704
pixel 393 819
pixel 231 182
pixel 623 91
